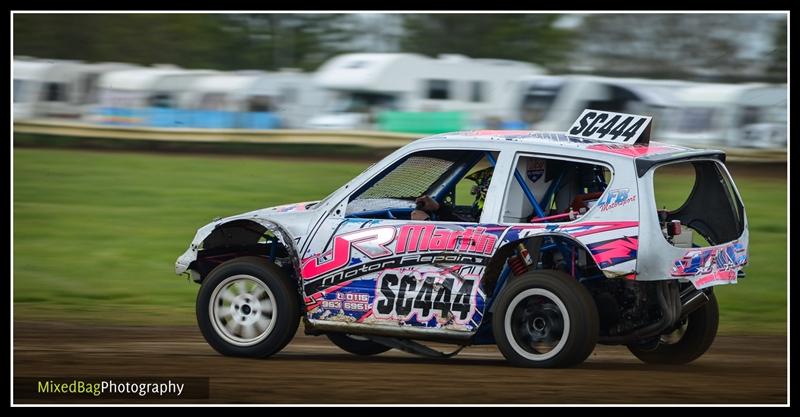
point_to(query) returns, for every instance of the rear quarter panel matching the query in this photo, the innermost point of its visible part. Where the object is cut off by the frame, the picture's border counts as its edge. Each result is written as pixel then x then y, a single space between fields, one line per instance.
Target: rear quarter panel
pixel 703 266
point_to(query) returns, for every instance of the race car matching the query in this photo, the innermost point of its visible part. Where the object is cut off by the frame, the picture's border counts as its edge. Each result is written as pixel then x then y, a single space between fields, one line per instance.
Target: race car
pixel 543 243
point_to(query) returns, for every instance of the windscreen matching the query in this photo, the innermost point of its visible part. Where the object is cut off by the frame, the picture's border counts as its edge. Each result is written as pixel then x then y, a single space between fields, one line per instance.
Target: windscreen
pixel 410 179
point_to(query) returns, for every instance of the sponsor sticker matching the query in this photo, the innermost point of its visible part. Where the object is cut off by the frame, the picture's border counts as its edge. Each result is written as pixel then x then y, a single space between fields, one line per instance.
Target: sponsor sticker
pixel 615 198
pixel 711 266
pixel 535 169
pixel 353 301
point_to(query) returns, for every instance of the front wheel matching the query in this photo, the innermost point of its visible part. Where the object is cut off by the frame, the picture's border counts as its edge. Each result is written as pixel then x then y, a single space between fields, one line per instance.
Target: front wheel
pixel 690 340
pixel 545 319
pixel 357 345
pixel 247 307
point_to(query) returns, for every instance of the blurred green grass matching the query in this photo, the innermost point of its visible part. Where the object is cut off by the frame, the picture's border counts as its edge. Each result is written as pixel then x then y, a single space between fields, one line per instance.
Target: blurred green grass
pixel 96 234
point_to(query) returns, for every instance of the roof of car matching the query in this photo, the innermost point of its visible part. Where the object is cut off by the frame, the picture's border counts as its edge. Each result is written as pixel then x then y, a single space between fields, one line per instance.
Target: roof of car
pixel 562 140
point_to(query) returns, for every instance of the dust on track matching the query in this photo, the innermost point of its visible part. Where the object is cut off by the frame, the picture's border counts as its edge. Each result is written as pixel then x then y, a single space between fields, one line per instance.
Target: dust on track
pixel 737 369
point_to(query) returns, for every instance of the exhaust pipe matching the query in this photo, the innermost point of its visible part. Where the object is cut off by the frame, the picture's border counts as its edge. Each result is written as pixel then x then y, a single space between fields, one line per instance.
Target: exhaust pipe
pixel 675 307
pixel 667 296
pixel 691 300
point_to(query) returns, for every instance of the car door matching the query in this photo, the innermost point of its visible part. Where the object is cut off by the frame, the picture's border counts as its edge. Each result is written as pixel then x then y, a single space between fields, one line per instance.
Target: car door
pixel 371 264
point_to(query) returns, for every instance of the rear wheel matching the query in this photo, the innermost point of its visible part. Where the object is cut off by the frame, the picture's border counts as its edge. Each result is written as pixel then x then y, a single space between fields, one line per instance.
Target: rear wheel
pixel 545 319
pixel 690 340
pixel 357 345
pixel 247 307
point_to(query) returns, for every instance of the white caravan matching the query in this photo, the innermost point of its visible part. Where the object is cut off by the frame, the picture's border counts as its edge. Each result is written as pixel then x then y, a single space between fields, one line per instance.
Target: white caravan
pixel 28 87
pixel 125 94
pixel 57 88
pixel 88 88
pixel 173 90
pixel 45 88
pixel 365 84
pixel 734 115
pixel 288 93
pixel 131 88
pixel 553 102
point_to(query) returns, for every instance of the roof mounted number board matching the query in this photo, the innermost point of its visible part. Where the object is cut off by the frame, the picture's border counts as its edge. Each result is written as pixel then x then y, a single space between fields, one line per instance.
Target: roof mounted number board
pixel 606 126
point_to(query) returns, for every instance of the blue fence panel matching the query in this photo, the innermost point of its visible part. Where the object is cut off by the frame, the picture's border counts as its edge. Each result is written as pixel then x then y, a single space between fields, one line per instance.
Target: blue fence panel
pixel 259 120
pixel 208 119
pixel 165 117
pixel 213 119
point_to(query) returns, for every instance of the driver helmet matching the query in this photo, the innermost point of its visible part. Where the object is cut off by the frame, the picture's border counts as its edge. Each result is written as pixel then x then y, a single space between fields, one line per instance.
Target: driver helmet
pixel 479 190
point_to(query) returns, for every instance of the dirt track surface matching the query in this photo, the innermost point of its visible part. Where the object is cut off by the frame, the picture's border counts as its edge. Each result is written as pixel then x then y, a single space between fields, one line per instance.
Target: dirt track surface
pixel 737 369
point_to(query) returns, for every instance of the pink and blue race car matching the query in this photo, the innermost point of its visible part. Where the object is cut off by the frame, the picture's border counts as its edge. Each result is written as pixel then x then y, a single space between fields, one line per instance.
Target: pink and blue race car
pixel 543 243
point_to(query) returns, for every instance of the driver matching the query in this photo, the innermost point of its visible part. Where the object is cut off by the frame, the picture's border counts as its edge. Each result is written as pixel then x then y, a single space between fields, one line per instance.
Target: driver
pixel 427 205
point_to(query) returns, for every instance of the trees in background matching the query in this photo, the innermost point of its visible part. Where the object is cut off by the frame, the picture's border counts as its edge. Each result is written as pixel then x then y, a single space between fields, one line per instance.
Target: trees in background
pixel 693 46
pixel 273 41
pixel 720 47
pixel 777 55
pixel 217 41
pixel 181 39
pixel 523 37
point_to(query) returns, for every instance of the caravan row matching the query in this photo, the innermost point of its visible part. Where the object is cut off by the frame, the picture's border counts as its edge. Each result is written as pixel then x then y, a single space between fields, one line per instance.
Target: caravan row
pixel 396 92
pixel 415 93
pixel 412 93
pixel 207 99
pixel 685 113
pixel 163 95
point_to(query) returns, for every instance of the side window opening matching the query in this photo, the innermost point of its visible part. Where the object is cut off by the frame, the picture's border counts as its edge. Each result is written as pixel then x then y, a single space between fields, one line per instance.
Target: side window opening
pixel 361 102
pixel 619 99
pixel 750 115
pixel 537 102
pixel 697 205
pixel 456 179
pixel 260 103
pixel 438 89
pixel 55 92
pixel 563 190
pixel 469 194
pixel 162 100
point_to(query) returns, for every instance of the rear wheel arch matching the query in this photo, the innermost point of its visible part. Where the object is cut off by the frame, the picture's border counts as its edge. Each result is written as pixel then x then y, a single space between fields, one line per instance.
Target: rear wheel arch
pixel 501 256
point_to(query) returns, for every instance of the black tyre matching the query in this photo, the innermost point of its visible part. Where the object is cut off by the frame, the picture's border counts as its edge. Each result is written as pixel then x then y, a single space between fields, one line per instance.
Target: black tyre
pixel 248 307
pixel 357 345
pixel 688 342
pixel 545 319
